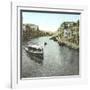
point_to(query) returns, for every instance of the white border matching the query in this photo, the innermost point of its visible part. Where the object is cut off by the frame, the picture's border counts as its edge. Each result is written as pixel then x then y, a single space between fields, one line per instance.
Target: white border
pixel 62 80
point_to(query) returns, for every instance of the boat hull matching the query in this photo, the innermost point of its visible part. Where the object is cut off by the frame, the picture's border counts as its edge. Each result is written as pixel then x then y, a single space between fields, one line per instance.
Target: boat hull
pixel 36 56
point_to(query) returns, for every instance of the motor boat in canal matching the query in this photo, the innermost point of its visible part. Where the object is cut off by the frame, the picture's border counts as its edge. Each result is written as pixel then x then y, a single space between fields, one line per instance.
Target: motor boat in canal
pixel 35 51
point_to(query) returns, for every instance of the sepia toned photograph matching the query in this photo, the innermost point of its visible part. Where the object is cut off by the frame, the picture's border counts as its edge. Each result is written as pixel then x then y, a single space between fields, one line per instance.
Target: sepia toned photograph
pixel 49 43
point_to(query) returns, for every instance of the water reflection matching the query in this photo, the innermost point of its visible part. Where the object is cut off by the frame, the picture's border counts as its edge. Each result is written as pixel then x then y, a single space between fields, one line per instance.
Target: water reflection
pixel 36 58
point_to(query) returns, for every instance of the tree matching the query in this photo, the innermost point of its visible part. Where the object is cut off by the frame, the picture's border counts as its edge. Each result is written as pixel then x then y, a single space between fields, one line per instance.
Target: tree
pixel 78 23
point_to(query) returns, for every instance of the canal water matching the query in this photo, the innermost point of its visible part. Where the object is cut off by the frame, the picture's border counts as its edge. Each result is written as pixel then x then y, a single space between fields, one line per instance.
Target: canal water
pixel 58 60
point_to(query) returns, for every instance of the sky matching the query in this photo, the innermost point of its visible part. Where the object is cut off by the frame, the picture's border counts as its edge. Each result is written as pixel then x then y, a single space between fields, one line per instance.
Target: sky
pixel 48 21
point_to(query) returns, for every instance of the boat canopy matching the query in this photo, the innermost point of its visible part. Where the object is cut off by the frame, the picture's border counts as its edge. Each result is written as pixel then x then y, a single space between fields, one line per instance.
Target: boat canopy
pixel 35 46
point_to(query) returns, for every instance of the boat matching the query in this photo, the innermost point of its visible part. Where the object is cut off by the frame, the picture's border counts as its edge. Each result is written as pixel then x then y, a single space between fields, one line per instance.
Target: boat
pixel 45 43
pixel 35 51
